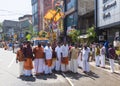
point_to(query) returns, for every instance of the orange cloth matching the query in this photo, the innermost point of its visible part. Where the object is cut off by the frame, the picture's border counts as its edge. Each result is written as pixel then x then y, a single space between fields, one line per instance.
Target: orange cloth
pixel 28 64
pixel 48 62
pixel 20 55
pixel 65 60
pixel 5 47
pixel 39 52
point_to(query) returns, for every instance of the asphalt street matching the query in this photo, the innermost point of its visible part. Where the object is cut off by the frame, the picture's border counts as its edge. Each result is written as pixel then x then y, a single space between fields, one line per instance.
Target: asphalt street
pixel 9 74
pixel 97 76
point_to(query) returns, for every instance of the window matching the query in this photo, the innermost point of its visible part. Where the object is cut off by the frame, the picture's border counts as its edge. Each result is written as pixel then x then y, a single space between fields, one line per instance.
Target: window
pixel 72 19
pixel 35 8
pixel 71 4
pixel 35 19
pixel 33 1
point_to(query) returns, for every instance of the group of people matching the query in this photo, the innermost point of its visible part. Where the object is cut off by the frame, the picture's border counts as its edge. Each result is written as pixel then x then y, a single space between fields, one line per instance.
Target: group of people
pixel 61 57
pixel 45 59
pixel 103 51
pixel 9 45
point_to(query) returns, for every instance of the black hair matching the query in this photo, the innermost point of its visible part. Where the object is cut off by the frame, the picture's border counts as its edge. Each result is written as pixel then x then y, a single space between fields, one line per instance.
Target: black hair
pixel 110 45
pixel 39 44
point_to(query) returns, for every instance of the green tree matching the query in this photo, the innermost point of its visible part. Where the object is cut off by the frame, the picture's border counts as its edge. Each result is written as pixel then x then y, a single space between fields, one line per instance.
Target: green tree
pixel 74 35
pixel 91 34
pixel 31 31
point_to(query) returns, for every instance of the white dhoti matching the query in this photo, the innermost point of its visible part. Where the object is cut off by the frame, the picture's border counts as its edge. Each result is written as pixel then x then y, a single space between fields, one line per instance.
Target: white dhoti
pixel 48 66
pixel 74 65
pixel 10 48
pixel 102 59
pixel 64 67
pixel 27 72
pixel 58 64
pixel 48 70
pixel 79 61
pixel 85 64
pixel 53 64
pixel 111 64
pixel 69 66
pixel 97 60
pixel 21 68
pixel 39 65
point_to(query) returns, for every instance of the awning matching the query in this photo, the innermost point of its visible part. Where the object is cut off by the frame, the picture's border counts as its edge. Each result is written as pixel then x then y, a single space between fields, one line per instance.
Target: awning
pixel 83 36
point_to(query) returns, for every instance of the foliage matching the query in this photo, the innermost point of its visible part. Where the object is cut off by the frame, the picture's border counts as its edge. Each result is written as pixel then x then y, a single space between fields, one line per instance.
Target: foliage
pixel 74 35
pixel 28 37
pixel 91 34
pixel 31 30
pixel 0 26
pixel 42 33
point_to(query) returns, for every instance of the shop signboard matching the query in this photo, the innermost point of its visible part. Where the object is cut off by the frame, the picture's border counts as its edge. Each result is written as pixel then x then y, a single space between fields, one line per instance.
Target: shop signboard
pixel 108 12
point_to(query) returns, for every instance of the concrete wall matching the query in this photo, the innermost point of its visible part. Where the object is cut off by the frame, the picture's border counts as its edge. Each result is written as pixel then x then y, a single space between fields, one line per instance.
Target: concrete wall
pixel 85 6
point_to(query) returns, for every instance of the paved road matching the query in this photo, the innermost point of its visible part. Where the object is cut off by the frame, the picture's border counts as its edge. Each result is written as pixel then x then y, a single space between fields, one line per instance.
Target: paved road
pixel 97 77
pixel 9 74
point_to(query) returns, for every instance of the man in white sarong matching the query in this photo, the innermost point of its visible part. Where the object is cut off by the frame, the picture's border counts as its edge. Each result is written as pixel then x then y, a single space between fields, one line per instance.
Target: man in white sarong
pixel 85 58
pixel 74 52
pixel 79 59
pixel 39 59
pixel 48 59
pixel 20 58
pixel 97 55
pixel 102 56
pixel 65 60
pixel 58 61
pixel 112 55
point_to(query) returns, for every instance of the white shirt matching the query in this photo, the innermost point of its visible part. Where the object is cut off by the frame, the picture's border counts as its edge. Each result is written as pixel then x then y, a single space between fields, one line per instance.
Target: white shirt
pixel 65 50
pixel 85 54
pixel 93 48
pixel 102 51
pixel 58 51
pixel 48 52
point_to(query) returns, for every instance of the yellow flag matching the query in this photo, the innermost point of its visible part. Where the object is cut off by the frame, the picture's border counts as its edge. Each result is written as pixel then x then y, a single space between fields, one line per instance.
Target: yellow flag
pixel 58 16
pixel 50 14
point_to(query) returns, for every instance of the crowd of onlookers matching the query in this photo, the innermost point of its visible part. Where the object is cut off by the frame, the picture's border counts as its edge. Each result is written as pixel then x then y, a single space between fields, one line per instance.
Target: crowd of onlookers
pixel 9 45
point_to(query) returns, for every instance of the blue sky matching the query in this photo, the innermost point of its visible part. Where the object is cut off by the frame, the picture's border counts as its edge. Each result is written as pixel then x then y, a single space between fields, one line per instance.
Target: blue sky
pixel 12 9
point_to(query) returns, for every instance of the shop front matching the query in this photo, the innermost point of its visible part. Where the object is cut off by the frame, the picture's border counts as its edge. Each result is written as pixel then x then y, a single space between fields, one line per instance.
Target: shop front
pixel 108 19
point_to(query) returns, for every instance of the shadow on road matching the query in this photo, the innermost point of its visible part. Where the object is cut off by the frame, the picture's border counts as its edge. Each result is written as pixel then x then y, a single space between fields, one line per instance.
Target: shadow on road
pixel 76 76
pixel 28 78
pixel 92 75
pixel 45 77
pixel 116 73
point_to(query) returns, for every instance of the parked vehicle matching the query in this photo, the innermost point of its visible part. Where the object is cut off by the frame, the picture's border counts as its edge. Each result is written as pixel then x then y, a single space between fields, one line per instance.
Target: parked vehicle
pixel 37 40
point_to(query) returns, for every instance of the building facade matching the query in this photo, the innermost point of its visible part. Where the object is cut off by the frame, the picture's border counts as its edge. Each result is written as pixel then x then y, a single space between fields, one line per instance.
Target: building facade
pixel 11 28
pixel 85 15
pixel 35 15
pixel 25 23
pixel 79 13
pixel 39 9
pixel 1 30
pixel 71 15
pixel 107 19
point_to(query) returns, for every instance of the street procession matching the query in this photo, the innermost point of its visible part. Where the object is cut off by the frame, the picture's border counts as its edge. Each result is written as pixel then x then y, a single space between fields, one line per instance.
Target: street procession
pixel 60 43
